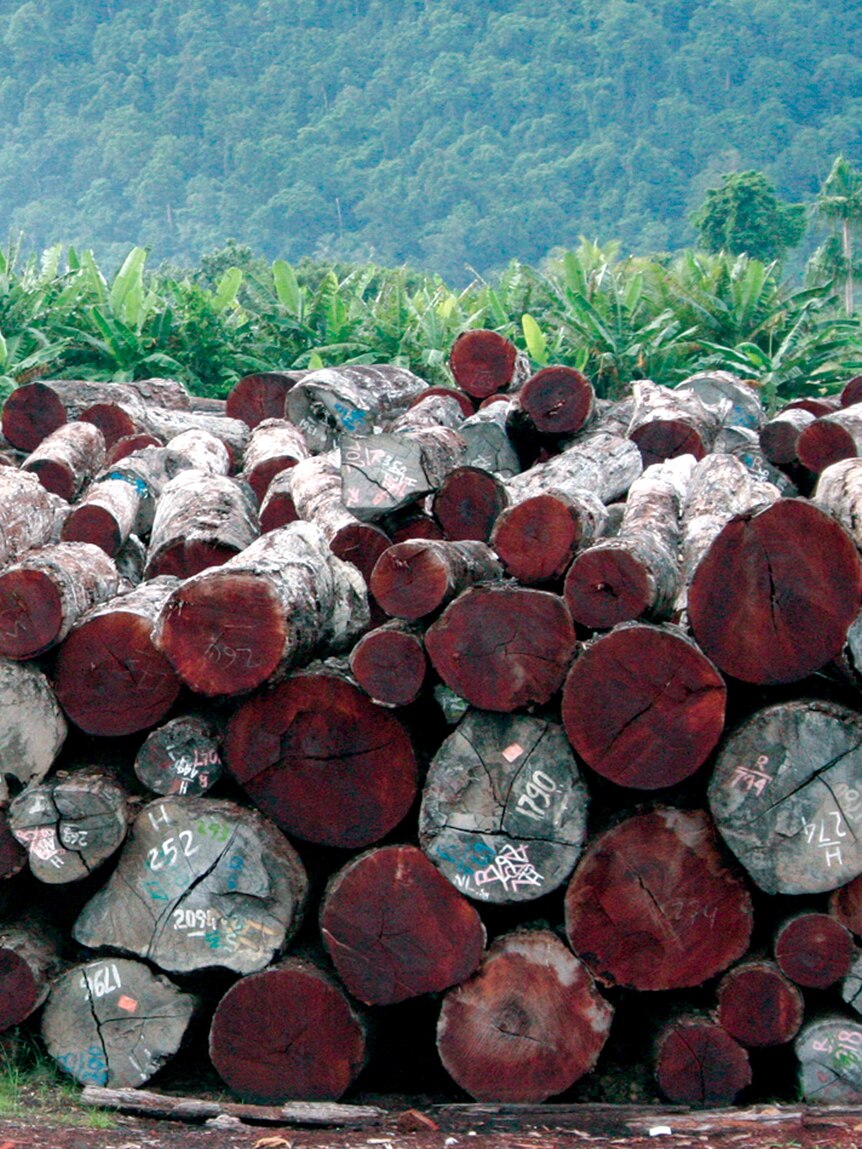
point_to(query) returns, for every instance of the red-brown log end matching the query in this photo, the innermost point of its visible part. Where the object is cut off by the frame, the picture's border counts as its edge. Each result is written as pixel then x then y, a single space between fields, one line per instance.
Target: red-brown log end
pixel 30 414
pixel 390 666
pixel 558 400
pixel 758 1005
pixel 482 362
pixel 467 503
pixel 698 1063
pixel 814 950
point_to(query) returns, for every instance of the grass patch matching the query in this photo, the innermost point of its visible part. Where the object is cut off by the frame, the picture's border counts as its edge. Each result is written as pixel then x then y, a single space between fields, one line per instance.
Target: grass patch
pixel 33 1086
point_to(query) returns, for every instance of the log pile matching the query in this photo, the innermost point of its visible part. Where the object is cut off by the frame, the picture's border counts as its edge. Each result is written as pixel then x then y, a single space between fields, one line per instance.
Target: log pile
pixel 503 743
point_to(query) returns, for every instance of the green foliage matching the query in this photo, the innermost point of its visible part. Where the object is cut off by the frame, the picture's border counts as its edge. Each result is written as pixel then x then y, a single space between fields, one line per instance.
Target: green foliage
pixel 744 216
pixel 839 203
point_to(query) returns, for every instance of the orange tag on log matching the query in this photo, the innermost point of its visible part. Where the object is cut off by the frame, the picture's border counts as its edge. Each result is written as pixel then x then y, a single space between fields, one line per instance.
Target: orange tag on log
pixel 512 752
pixel 127 1003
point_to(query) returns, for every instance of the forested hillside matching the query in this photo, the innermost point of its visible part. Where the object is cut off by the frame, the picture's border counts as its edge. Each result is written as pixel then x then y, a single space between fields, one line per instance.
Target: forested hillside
pixel 444 134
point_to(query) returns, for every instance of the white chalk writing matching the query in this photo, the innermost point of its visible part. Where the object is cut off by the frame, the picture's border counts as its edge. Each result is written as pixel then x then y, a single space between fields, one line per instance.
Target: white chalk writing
pixel 512 868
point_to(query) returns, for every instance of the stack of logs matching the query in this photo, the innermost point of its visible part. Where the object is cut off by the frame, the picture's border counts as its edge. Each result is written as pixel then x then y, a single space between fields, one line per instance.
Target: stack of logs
pixel 353 710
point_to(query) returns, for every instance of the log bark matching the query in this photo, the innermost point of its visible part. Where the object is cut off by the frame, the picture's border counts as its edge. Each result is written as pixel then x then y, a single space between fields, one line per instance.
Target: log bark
pixel 504 808
pixel 600 462
pixel 653 905
pixel 148 471
pixel 395 928
pixel 538 537
pixel 67 459
pixel 773 598
pixel 30 517
pixel 389 663
pixel 831 438
pixel 129 444
pixel 666 423
pixel 181 757
pixel 33 729
pixel 779 437
pixel 758 1006
pixel 228 629
pixel 464 401
pixel 29 961
pixel 851 986
pixel 201 521
pixel 287 1032
pixel 483 362
pixel 643 707
pixel 274 446
pixel 527 1025
pixel 115 420
pixel 699 1063
pixel 383 473
pixel 467 502
pixel 436 409
pixel 200 882
pixel 814 950
pixel 35 410
pixel 414 579
pixel 105 516
pixel 261 395
pixel 829 1050
pixel 70 824
pixel 352 399
pixel 44 594
pixel 502 647
pixel 203 450
pixel 109 675
pixel 322 760
pixel 113 1022
pixel 637 572
pixel 784 796
pixel 167 423
pixel 278 508
pixel 839 492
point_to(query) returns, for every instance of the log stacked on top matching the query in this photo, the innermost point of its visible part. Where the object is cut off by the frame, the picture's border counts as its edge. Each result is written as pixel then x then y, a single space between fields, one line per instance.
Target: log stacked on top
pixel 532 710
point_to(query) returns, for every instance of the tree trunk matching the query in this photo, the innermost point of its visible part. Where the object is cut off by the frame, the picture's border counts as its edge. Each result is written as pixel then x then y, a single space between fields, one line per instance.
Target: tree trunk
pixel 114 1022
pixel 831 438
pixel 839 492
pixel 44 594
pixel 70 824
pixel 389 663
pixel 67 459
pixel 33 728
pixel 483 362
pixel 779 438
pixel 148 471
pixel 734 402
pixel 201 521
pixel 504 808
pixel 278 508
pixel 652 904
pixel 395 928
pixel 167 423
pixel 666 423
pixel 784 795
pixel 538 537
pixel 502 647
pixel 129 444
pixel 557 401
pixel 228 629
pixel 758 1005
pixel 322 760
pixel 429 410
pixel 109 675
pixel 382 473
pixel 414 579
pixel 814 950
pixel 773 598
pixel 105 516
pixel 115 420
pixel 467 502
pixel 261 395
pixel 30 517
pixel 602 463
pixel 488 446
pixel 181 757
pixel 29 962
pixel 527 1025
pixel 274 446
pixel 699 1063
pixel 643 706
pixel 287 1032
pixel 200 882
pixel 829 1050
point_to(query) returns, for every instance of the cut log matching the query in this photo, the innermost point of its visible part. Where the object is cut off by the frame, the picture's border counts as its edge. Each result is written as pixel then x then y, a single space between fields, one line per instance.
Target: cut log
pixel 636 573
pixel 653 905
pixel 699 1063
pixel 287 1032
pixel 352 399
pixel 538 536
pixel 395 928
pixel 527 1025
pixel 773 598
pixel 29 961
pixel 464 401
pixel 200 882
pixel 105 516
pixel 278 508
pixel 412 522
pixel 829 1050
pixel 274 446
pixel 30 517
pixel 33 729
pixel 109 675
pixel 817 404
pixel 114 1022
pixel 70 824
pixel 851 986
pixel 467 502
pixel 845 903
pixel 115 420
pixel 129 444
pixel 322 760
pixel 33 411
pixel 814 950
pixel 733 401
pixel 667 422
pixel 501 647
pixel 557 401
pixel 261 395
pixel 389 663
pixel 181 757
pixel 488 446
pixel 504 808
pixel 758 1005
pixel 44 594
pixel 437 409
pixel 203 450
pixel 600 462
pixel 385 472
pixel 148 471
pixel 166 423
pixel 831 438
pixel 483 362
pixel 779 438
pixel 414 579
pixel 201 521
pixel 643 706
pixel 230 628
pixel 839 492
pixel 67 459
pixel 784 795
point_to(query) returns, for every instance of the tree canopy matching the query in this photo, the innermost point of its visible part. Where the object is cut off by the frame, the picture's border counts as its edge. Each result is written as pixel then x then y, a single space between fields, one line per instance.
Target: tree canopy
pixel 745 217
